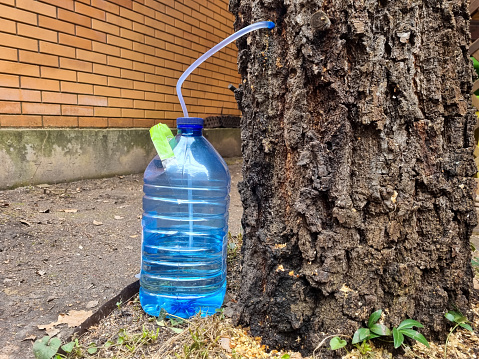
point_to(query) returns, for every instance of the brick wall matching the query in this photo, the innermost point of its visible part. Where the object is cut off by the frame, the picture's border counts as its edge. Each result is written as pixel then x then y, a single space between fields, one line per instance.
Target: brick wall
pixel 115 63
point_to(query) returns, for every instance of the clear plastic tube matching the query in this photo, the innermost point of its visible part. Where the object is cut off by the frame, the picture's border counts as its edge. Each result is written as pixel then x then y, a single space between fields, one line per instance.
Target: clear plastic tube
pixel 213 50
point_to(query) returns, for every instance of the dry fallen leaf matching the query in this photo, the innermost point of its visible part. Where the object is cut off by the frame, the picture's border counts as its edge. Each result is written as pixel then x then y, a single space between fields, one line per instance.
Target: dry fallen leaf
pixel 225 344
pixel 119 217
pixel 73 319
pixel 72 210
pixel 96 223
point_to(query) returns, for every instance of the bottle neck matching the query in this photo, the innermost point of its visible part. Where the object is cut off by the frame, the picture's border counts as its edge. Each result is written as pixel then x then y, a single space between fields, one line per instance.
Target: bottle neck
pixel 190 130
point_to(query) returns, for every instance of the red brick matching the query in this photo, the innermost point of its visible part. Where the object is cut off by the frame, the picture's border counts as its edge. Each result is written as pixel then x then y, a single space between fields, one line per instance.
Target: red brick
pixel 121 83
pixel 73 17
pixel 75 87
pixel 92 78
pixel 154 4
pixel 19 15
pixel 10 107
pixel 133 75
pixel 92 122
pixel 129 112
pixel 147 105
pixel 37 32
pixel 75 41
pixel 120 122
pixel 66 4
pixel 91 56
pixel 120 102
pixel 12 94
pixel 161 114
pixel 106 70
pixel 9 80
pixel 38 58
pixel 89 11
pixel 20 121
pixel 139 95
pixel 71 110
pixel 120 42
pixel 119 62
pixel 54 24
pixel 132 35
pixel 143 48
pixel 144 86
pixel 106 5
pixel 37 83
pixel 37 7
pixel 90 34
pixel 132 55
pixel 18 42
pixel 8 26
pixel 154 24
pixel 58 74
pixel 59 97
pixel 143 122
pixel 106 91
pixel 146 30
pixel 105 27
pixel 106 49
pixel 120 21
pixel 107 112
pixel 60 121
pixel 29 108
pixel 8 53
pixel 124 3
pixel 131 15
pixel 55 49
pixel 78 65
pixel 92 100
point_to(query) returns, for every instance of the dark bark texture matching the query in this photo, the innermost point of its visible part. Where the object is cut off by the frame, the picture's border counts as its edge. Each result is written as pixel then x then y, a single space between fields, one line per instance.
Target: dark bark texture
pixel 357 135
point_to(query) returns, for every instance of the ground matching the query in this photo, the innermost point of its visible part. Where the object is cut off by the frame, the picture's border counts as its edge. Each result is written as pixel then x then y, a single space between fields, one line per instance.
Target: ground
pixel 69 246
pixel 72 247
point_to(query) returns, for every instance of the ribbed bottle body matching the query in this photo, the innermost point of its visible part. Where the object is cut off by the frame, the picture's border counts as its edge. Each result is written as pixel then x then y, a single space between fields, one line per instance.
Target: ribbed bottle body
pixel 185 226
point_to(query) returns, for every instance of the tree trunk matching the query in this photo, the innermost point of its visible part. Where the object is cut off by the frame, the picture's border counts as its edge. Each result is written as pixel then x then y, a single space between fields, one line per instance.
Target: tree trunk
pixel 357 136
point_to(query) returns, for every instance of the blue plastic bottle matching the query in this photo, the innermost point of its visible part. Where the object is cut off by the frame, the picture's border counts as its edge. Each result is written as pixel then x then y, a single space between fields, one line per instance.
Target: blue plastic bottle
pixel 185 226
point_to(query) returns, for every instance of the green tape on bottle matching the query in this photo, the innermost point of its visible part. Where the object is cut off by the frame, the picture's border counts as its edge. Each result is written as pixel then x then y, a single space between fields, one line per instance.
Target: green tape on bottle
pixel 161 136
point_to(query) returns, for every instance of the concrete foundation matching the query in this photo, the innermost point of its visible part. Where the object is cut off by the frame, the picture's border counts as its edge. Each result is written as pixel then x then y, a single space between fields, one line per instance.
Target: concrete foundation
pixel 33 156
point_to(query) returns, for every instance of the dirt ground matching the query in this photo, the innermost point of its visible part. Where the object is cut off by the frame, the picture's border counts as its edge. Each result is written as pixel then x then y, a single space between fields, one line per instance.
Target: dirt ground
pixel 70 246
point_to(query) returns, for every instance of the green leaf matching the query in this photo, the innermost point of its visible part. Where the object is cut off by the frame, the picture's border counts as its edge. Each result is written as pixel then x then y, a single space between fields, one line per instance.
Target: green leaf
pixel 337 343
pixel 92 350
pixel 398 338
pixel 455 317
pixel 409 323
pixel 45 348
pixel 286 356
pixel 360 335
pixel 380 329
pixel 415 335
pixel 68 347
pixel 466 326
pixel 374 317
pixel 107 344
pixel 177 330
pixel 475 262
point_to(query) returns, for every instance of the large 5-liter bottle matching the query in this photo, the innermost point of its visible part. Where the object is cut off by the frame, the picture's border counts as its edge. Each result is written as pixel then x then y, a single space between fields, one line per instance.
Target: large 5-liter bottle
pixel 185 226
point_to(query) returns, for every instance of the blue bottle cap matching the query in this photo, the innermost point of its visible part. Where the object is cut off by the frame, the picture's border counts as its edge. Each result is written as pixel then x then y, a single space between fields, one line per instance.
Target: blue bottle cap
pixel 189 121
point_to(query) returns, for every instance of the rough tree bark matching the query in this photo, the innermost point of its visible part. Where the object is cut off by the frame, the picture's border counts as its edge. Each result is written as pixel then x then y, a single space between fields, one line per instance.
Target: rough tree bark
pixel 357 143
